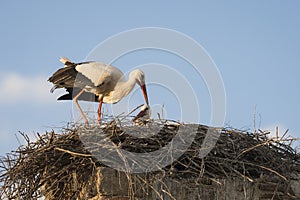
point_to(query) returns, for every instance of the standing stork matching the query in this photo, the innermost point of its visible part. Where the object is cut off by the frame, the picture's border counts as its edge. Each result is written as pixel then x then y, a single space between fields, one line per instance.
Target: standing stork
pixel 94 81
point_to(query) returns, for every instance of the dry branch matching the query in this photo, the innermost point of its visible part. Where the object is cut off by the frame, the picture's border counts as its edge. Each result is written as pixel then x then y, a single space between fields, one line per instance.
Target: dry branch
pixel 59 166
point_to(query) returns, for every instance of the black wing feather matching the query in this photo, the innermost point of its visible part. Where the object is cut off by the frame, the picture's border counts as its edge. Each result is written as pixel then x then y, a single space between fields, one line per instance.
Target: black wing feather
pixel 68 77
pixel 85 96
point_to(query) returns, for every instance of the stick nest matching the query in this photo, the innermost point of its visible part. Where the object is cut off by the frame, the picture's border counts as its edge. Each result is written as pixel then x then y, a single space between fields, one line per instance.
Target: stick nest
pixel 58 166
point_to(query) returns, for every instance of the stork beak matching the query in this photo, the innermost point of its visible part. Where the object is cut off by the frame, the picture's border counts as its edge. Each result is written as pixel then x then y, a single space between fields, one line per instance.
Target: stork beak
pixel 144 90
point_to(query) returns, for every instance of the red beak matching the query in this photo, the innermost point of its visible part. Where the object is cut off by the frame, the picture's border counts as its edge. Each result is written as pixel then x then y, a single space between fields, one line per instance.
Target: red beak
pixel 144 90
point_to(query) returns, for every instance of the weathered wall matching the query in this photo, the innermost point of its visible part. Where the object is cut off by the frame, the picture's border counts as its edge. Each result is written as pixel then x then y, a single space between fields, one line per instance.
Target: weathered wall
pixel 118 186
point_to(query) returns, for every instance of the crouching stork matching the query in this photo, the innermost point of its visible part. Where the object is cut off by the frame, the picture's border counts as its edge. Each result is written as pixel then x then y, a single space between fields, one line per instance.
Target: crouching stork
pixel 96 82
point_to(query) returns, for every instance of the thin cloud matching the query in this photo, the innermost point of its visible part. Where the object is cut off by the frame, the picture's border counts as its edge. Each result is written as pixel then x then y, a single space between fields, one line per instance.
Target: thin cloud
pixel 16 88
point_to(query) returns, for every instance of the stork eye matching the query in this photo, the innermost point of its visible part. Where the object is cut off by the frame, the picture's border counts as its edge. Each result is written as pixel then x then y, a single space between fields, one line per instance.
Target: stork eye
pixel 141 77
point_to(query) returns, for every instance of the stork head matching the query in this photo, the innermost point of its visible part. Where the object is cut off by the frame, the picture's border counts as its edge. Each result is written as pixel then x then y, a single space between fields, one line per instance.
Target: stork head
pixel 139 76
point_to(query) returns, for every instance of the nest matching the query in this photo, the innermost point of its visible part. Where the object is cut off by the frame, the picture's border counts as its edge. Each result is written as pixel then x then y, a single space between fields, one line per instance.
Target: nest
pixel 66 165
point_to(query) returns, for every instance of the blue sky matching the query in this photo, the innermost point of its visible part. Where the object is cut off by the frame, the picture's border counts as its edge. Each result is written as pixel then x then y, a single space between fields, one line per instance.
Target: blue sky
pixel 255 45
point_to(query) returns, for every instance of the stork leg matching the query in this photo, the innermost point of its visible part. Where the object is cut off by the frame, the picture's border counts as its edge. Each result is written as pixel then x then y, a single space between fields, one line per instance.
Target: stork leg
pixel 99 109
pixel 75 100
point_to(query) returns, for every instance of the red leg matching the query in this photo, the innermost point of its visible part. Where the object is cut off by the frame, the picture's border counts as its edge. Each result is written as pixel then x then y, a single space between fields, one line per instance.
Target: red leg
pixel 99 109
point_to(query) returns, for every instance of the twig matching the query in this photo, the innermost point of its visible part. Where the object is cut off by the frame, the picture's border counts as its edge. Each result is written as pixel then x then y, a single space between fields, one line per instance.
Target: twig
pixel 73 153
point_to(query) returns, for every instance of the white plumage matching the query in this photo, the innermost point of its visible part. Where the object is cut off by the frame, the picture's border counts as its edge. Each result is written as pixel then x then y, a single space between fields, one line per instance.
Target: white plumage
pixel 94 81
pixel 99 72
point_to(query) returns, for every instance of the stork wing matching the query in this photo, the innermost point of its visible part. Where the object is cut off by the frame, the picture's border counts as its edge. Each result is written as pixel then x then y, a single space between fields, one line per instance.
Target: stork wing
pixel 68 77
pixel 99 73
pixel 85 96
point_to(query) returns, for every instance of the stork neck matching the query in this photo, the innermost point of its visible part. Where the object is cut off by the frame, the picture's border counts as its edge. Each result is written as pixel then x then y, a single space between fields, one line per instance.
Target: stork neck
pixel 126 87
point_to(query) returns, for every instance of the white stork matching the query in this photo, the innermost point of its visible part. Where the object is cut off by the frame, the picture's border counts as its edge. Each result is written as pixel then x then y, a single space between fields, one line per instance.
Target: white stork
pixel 97 82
